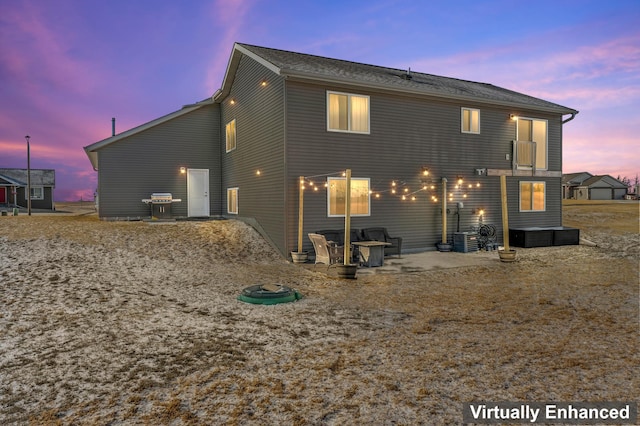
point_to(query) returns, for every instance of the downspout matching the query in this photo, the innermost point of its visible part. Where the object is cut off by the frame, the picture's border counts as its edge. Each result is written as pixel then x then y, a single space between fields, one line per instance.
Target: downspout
pixel 573 115
pixel 285 167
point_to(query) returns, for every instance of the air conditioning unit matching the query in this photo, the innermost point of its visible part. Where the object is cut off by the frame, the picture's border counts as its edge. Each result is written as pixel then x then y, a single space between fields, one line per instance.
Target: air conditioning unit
pixel 465 242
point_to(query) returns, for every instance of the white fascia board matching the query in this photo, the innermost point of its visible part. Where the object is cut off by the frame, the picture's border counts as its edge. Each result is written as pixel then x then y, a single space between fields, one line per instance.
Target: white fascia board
pixel 232 66
pixel 91 150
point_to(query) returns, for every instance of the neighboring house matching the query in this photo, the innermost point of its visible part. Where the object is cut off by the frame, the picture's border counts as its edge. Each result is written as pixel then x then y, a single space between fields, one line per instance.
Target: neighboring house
pixel 280 115
pixel 570 183
pixel 14 183
pixel 602 187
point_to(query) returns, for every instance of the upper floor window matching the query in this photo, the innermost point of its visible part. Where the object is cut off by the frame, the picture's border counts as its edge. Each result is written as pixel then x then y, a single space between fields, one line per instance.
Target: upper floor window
pixel 532 130
pixel 231 135
pixel 532 196
pixel 347 112
pixel 336 196
pixel 470 120
pixel 232 200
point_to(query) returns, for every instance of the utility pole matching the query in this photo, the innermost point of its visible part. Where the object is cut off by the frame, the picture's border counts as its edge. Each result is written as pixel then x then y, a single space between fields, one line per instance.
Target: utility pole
pixel 28 175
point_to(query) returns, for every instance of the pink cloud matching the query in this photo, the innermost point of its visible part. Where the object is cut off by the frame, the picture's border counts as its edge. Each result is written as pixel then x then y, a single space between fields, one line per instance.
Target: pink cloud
pixel 48 64
pixel 613 65
pixel 229 18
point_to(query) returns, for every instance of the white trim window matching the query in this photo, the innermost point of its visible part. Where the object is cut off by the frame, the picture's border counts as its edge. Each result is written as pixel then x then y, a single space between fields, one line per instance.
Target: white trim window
pixel 534 130
pixel 360 196
pixel 232 200
pixel 37 193
pixel 470 120
pixel 533 196
pixel 230 135
pixel 347 113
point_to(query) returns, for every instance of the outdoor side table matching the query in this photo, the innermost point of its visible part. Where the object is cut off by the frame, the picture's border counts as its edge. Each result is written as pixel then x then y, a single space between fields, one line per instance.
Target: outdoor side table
pixel 371 252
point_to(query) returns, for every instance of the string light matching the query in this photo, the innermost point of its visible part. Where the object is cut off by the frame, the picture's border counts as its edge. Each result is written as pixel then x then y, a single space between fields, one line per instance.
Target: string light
pixel 405 193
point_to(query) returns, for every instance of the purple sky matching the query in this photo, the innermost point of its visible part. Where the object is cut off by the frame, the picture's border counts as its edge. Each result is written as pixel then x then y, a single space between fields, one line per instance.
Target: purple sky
pixel 68 66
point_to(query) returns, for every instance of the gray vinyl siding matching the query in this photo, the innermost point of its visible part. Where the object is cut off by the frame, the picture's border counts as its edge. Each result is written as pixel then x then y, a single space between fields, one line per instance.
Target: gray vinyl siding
pixel 259 114
pixel 407 133
pixel 146 162
pixel 21 198
pixel 552 216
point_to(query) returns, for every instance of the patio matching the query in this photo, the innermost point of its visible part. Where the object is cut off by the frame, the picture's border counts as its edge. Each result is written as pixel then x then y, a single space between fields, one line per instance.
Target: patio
pixel 419 262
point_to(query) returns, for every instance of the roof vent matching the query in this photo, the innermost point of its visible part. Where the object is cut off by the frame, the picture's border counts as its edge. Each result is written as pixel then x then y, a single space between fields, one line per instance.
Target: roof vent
pixel 407 75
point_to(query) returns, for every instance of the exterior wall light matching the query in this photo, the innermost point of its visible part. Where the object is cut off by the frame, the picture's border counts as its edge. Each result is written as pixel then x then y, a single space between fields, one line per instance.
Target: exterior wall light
pixel 513 117
pixel 263 83
pixel 183 170
pixel 232 101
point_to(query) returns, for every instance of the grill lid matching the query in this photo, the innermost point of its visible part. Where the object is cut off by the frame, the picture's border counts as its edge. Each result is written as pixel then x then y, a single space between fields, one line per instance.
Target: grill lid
pixel 161 198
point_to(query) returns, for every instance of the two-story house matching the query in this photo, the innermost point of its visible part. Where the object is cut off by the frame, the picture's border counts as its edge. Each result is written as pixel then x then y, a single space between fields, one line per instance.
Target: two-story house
pixel 280 115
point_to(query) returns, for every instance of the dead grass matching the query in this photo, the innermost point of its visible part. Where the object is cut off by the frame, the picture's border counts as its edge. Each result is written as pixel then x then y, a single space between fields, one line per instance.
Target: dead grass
pixel 609 216
pixel 98 327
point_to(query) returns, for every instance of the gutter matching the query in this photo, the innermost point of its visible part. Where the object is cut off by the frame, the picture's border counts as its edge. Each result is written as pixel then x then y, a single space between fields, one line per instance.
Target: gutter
pixel 573 115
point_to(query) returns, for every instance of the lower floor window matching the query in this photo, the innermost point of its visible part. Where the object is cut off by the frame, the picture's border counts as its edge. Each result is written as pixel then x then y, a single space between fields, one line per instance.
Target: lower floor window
pixel 37 193
pixel 232 200
pixel 337 192
pixel 532 196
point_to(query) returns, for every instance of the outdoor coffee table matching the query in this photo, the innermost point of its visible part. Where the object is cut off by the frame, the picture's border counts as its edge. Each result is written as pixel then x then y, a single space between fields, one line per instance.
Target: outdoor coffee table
pixel 371 252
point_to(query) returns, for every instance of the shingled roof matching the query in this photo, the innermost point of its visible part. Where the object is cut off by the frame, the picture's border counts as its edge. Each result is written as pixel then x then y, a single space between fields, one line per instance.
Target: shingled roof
pixel 39 177
pixel 311 67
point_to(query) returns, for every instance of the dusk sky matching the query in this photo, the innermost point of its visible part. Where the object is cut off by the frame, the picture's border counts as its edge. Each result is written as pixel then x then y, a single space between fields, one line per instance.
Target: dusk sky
pixel 68 66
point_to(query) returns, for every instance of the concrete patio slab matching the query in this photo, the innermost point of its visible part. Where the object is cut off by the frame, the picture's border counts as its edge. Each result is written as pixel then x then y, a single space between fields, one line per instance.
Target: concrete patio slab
pixel 420 262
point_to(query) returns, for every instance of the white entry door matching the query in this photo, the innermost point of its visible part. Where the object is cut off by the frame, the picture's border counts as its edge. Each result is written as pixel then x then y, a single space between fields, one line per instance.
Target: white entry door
pixel 198 192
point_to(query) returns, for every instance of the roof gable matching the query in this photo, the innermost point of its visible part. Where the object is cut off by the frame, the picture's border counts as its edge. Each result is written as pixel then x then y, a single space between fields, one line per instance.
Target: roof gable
pixel 576 178
pixel 603 181
pixel 311 67
pixel 91 150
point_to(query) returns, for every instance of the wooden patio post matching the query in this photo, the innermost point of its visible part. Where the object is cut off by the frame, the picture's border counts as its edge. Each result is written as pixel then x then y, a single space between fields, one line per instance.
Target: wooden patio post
pixel 444 210
pixel 300 213
pixel 505 212
pixel 347 219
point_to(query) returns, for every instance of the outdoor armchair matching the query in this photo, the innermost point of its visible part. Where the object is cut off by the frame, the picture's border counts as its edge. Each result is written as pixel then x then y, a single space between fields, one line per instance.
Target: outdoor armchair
pixel 381 234
pixel 327 252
